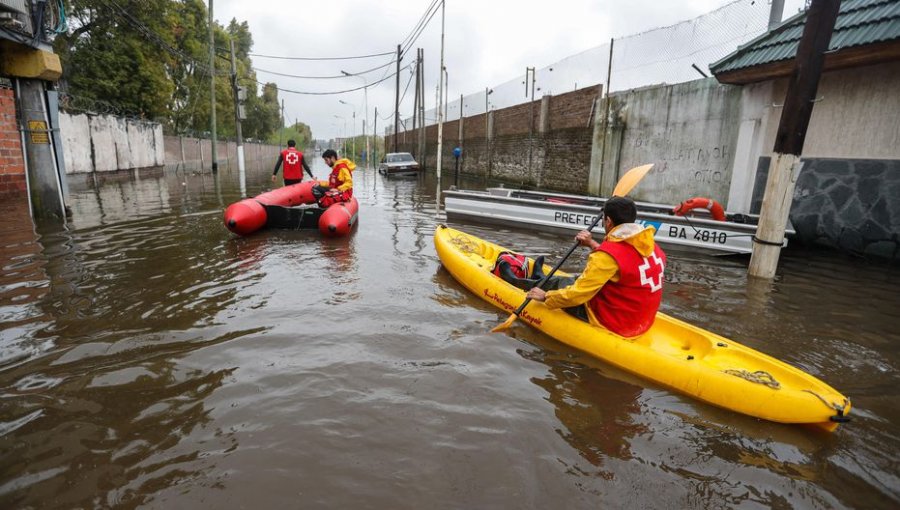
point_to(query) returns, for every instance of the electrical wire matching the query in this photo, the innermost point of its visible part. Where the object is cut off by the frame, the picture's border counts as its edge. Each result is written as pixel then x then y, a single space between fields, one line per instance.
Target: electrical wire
pixel 321 58
pixel 419 23
pixel 154 37
pixel 360 73
pixel 421 29
pixel 330 93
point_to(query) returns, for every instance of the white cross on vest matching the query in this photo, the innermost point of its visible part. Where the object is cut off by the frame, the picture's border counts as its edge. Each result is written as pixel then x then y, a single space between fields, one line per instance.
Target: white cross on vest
pixel 656 284
pixel 292 158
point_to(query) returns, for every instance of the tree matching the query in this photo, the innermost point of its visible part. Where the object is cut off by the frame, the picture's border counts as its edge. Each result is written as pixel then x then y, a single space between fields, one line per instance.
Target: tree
pixel 150 58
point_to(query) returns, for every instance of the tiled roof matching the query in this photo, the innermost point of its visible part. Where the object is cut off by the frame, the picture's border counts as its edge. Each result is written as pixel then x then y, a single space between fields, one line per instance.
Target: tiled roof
pixel 860 22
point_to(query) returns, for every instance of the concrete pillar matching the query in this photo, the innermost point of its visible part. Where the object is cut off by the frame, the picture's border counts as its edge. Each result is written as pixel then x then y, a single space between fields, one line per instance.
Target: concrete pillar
pixel 606 148
pixel 43 178
pixel 544 119
pixel 743 173
pixel 596 169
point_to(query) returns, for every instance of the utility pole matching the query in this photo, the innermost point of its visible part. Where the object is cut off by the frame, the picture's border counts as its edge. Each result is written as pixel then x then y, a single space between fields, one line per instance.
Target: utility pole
pixel 421 111
pixel 238 115
pixel 212 87
pixel 416 101
pixel 530 114
pixel 281 128
pixel 397 101
pixel 460 119
pixel 440 117
pixel 375 140
pixel 785 165
pixel 775 13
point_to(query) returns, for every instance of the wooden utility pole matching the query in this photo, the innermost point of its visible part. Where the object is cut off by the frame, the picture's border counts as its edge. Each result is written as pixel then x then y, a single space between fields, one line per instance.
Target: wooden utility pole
pixel 397 101
pixel 785 165
pixel 212 87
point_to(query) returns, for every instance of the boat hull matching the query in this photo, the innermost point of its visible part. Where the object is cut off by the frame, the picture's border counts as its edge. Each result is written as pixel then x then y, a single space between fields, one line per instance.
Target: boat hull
pixel 570 213
pixel 289 208
pixel 672 353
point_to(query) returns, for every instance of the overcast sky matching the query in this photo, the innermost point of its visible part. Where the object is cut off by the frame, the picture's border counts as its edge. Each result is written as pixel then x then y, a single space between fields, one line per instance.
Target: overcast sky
pixel 486 43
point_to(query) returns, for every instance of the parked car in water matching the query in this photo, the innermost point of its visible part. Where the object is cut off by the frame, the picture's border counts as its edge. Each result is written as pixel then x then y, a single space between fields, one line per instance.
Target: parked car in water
pixel 398 163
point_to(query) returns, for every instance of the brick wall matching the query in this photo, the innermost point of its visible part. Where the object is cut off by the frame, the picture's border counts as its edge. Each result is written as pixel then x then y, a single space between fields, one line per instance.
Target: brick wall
pixel 574 109
pixel 12 164
pixel 518 153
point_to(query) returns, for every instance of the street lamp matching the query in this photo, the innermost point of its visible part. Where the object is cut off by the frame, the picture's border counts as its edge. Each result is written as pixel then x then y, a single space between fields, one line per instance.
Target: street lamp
pixel 343 131
pixel 353 129
pixel 366 106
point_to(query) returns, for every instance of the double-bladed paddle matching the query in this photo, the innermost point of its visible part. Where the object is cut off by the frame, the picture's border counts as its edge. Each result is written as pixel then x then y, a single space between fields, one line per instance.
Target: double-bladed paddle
pixel 625 185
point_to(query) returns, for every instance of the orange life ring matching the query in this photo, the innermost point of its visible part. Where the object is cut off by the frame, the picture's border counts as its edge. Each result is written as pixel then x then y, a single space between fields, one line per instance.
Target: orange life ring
pixel 715 209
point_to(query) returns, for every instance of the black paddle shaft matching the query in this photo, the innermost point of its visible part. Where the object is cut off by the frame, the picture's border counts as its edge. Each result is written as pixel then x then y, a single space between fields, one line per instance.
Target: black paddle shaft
pixel 559 264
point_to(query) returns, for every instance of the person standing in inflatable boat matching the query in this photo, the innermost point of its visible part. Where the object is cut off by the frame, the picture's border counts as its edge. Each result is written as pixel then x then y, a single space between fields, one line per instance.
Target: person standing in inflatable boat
pixel 621 286
pixel 294 164
pixel 339 186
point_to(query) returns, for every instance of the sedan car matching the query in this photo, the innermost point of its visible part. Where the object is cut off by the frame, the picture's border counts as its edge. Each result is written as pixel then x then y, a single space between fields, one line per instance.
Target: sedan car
pixel 398 163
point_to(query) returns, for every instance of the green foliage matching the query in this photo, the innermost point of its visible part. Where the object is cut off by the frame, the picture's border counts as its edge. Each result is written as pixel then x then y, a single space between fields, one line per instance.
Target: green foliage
pixel 152 60
pixel 299 132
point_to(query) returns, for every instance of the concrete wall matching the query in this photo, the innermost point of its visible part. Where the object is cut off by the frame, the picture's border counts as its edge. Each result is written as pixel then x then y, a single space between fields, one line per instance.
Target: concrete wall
pixel 104 143
pixel 687 130
pixel 197 152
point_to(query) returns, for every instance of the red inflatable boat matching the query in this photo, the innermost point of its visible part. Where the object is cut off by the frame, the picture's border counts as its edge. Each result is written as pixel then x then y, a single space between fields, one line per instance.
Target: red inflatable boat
pixel 286 208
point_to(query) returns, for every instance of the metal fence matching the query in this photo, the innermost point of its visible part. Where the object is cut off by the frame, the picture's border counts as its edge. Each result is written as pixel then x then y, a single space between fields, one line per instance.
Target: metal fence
pixel 667 55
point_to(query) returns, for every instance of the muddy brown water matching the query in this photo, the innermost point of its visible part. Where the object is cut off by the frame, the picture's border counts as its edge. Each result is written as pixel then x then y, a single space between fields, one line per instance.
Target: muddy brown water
pixel 149 358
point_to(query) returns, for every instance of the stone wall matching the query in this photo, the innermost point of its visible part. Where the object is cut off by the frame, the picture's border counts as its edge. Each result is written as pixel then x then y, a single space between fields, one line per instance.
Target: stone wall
pixel 12 164
pixel 850 204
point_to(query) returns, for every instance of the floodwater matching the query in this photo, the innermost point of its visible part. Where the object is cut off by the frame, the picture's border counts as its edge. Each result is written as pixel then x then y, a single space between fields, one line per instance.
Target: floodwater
pixel 149 358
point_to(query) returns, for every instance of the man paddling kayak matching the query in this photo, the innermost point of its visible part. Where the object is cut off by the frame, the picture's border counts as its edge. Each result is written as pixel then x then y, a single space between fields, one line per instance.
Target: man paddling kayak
pixel 621 286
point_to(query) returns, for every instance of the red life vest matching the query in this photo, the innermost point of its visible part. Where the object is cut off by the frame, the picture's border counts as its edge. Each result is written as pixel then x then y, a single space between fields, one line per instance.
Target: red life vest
pixel 628 307
pixel 292 158
pixel 334 182
pixel 517 263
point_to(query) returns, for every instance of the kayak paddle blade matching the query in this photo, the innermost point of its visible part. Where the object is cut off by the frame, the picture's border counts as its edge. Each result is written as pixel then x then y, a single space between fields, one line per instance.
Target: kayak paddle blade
pixel 630 180
pixel 506 324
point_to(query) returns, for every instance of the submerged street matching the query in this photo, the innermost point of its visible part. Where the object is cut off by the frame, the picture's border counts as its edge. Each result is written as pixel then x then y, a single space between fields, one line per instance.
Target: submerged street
pixel 149 357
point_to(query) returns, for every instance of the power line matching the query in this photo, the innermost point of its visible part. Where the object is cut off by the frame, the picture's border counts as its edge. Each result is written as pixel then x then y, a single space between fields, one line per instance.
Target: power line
pixel 419 23
pixel 321 58
pixel 422 27
pixel 307 93
pixel 325 77
pixel 154 37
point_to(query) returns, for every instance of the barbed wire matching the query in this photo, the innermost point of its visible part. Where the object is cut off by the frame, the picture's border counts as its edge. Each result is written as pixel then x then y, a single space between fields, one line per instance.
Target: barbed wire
pixel 71 104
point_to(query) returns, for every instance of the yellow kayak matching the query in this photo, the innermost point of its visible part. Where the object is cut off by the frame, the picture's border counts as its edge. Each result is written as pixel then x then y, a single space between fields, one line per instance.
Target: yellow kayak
pixel 673 353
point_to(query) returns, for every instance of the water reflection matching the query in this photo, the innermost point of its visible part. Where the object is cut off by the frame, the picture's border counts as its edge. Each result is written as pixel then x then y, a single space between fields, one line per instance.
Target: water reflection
pixel 148 357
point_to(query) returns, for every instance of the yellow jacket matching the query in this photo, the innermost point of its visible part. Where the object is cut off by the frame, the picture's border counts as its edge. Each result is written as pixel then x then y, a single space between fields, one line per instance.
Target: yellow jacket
pixel 344 178
pixel 601 267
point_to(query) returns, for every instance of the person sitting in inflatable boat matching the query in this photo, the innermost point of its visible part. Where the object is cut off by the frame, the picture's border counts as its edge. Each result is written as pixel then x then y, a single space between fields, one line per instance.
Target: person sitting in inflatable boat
pixel 339 186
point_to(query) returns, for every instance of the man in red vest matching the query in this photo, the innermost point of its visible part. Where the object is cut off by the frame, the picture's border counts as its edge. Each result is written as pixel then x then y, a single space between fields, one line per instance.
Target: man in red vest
pixel 621 286
pixel 294 164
